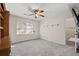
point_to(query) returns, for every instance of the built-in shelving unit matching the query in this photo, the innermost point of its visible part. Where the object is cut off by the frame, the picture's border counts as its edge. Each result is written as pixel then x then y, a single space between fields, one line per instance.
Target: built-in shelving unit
pixel 4 31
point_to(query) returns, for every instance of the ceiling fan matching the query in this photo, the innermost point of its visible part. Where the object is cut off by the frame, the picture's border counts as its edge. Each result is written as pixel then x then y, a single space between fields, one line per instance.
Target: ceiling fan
pixel 36 12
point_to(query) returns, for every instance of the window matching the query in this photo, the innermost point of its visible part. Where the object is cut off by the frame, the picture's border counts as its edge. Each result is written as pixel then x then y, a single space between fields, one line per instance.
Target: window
pixel 24 28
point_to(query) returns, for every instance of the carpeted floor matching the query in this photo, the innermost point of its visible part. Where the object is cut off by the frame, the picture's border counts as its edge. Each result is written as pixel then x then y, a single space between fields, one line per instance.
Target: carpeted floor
pixel 41 47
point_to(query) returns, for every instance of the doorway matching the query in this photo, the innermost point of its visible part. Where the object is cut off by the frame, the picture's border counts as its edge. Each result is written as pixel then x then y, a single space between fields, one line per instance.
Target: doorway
pixel 70 31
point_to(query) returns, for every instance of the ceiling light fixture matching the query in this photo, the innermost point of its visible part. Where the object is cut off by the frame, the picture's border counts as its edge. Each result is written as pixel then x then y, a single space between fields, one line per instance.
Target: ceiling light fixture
pixel 36 13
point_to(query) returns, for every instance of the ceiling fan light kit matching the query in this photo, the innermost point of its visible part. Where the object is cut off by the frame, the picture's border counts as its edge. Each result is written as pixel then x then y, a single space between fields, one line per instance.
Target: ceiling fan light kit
pixel 38 13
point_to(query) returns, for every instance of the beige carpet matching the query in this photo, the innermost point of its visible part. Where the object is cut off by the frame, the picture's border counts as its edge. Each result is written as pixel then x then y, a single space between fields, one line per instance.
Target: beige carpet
pixel 41 47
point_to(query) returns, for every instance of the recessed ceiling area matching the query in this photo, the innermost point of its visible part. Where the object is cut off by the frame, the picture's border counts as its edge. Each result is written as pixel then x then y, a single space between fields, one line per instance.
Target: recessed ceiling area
pixel 51 10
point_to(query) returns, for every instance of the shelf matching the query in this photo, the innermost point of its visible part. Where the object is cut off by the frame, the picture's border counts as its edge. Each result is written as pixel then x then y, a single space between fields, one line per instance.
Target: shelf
pixel 1 16
pixel 1 28
pixel 1 9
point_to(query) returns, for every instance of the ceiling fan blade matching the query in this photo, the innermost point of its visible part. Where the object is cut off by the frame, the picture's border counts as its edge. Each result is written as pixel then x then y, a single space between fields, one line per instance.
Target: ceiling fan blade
pixel 42 15
pixel 41 11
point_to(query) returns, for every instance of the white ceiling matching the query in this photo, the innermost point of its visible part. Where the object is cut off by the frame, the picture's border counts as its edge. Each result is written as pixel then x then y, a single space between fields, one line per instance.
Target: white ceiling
pixel 52 10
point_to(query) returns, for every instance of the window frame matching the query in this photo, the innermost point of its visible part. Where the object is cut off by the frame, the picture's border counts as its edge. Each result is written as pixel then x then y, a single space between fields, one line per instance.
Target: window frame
pixel 24 28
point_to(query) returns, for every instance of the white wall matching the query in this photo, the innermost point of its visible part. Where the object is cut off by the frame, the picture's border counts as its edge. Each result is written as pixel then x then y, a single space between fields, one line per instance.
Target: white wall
pixel 51 32
pixel 70 22
pixel 14 36
pixel 48 27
